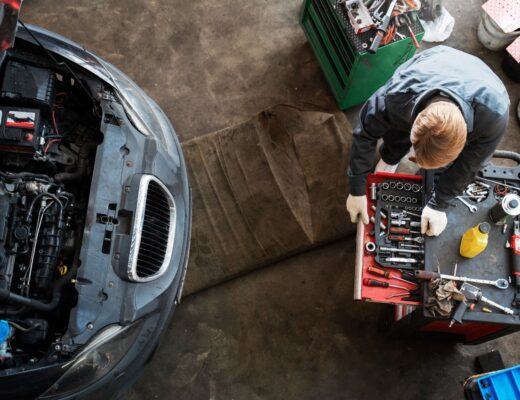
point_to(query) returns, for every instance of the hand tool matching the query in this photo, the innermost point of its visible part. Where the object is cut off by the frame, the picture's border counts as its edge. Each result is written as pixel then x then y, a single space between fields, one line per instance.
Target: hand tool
pixel 373 220
pixel 416 188
pixel 370 247
pixel 407 186
pixel 375 283
pixel 395 250
pixel 486 310
pixel 410 246
pixel 404 231
pixel 412 35
pixel 382 272
pixel 385 185
pixel 381 212
pixel 515 253
pixel 382 28
pixel 400 238
pixel 496 182
pixel 515 261
pixel 413 295
pixel 474 294
pixel 415 224
pixel 401 260
pixel 429 275
pixel 472 208
pixel 373 191
pixel 397 222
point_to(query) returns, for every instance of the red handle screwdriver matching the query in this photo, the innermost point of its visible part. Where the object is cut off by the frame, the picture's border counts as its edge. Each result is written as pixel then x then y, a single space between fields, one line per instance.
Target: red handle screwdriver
pixel 376 283
pixel 387 275
pixel 404 231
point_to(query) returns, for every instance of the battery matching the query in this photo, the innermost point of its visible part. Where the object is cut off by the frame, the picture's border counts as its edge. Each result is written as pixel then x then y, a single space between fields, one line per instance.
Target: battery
pixel 20 129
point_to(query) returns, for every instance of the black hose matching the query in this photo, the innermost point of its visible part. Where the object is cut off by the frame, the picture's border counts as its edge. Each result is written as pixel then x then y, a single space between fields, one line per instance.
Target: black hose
pixel 18 175
pixel 81 169
pixel 6 295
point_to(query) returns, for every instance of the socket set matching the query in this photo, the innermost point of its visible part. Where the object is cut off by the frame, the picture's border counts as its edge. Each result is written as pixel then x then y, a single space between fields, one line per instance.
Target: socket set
pixel 396 203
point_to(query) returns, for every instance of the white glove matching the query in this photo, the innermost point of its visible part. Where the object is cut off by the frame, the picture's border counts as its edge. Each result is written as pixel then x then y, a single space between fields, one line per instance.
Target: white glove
pixel 357 208
pixel 384 167
pixel 433 222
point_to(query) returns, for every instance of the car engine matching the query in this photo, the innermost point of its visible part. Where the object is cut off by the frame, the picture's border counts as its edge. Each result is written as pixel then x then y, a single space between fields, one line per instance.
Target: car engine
pixel 49 132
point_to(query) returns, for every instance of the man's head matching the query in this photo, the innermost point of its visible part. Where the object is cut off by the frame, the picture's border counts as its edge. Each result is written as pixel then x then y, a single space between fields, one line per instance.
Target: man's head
pixel 438 135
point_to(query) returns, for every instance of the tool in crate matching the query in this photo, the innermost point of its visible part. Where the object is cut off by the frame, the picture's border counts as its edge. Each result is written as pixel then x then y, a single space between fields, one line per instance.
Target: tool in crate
pixel 392 244
pixel 391 20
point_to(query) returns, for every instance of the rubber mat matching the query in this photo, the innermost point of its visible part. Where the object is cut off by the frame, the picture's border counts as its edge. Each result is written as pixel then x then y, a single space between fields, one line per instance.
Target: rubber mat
pixel 266 189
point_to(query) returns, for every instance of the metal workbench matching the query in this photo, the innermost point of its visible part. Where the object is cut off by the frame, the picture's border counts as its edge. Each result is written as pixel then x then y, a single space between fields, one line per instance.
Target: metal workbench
pixel 492 263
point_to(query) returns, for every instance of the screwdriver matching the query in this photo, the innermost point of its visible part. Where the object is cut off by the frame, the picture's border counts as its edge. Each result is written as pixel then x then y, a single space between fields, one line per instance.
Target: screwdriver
pixel 381 272
pixel 376 283
pixel 400 238
pixel 404 231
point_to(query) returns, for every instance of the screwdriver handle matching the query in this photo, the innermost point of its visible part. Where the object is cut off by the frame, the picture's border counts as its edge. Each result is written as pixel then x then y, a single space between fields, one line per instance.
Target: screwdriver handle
pixel 375 283
pixel 404 231
pixel 426 275
pixel 378 271
pixel 515 259
pixel 412 35
pixel 395 238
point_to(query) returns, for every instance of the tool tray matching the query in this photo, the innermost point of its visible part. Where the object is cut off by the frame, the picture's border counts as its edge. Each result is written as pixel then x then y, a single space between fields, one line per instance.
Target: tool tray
pixel 494 262
pixel 375 234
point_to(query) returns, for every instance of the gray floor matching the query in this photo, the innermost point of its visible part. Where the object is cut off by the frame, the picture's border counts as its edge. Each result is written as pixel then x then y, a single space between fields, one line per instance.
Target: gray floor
pixel 291 330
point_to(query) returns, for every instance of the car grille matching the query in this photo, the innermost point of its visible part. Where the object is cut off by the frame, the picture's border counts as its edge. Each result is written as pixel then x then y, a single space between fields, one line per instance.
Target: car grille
pixel 153 231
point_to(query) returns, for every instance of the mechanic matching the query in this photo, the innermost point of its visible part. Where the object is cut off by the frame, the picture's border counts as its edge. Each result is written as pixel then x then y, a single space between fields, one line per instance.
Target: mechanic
pixel 450 107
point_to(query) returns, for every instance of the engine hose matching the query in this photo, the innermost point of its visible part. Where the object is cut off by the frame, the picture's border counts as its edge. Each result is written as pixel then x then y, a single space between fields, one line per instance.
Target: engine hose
pixel 39 196
pixel 18 175
pixel 81 169
pixel 6 295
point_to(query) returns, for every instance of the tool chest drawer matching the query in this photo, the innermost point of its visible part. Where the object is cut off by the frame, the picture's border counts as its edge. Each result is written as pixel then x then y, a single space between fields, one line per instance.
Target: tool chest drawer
pixel 391 246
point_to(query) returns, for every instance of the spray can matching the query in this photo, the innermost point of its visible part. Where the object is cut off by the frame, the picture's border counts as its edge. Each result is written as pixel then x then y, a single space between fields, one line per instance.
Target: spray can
pixel 505 210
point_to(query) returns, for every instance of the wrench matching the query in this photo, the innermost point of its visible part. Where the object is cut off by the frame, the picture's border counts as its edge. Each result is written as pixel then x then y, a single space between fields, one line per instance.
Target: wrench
pixel 472 208
pixel 499 283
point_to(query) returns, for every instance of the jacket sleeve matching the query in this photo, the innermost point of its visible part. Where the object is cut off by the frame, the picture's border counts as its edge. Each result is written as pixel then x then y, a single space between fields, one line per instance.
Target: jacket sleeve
pixel 488 131
pixel 373 125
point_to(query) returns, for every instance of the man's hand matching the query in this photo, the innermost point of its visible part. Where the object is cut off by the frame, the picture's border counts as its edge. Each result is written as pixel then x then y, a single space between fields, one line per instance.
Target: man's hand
pixel 384 167
pixel 433 222
pixel 357 208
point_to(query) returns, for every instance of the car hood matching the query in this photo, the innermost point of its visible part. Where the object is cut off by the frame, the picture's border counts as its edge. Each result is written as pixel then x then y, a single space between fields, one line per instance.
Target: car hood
pixel 67 49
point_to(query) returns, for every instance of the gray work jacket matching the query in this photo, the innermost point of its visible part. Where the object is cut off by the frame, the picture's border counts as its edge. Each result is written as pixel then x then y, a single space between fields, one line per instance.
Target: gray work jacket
pixel 466 80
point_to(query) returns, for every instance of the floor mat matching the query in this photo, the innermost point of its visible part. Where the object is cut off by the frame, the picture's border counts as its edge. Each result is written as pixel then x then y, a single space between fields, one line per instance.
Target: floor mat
pixel 266 189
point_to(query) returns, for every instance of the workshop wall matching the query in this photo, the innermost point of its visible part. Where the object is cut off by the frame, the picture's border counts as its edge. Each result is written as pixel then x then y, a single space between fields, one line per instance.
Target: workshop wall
pixel 264 189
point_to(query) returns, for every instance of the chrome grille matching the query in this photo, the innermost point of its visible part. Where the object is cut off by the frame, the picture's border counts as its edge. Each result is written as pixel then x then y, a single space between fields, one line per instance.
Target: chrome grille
pixel 153 231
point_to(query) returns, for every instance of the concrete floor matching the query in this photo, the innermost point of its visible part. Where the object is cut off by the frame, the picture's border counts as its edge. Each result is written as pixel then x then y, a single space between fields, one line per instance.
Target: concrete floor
pixel 291 330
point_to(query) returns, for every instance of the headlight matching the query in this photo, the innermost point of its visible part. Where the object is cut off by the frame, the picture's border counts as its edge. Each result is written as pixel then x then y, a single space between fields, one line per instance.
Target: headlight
pixel 96 360
pixel 135 101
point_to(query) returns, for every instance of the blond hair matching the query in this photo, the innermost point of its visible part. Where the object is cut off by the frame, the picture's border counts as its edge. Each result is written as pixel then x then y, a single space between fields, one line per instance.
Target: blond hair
pixel 438 135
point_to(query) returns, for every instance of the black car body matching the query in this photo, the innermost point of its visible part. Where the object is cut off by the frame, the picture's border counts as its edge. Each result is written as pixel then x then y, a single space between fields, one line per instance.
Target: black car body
pixel 95 215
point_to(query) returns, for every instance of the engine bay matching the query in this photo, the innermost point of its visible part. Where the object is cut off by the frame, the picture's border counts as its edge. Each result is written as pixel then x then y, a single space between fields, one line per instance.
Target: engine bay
pixel 49 132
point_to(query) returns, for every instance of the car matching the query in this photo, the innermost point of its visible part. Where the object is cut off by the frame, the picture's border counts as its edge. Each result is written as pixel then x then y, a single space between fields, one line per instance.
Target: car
pixel 95 219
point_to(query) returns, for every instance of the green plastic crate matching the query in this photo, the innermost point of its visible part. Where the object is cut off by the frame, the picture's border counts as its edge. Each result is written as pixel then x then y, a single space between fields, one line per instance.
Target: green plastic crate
pixel 353 73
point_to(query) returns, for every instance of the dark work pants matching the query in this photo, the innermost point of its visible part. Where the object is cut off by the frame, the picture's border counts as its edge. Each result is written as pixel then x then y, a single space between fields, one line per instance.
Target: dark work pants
pixel 395 146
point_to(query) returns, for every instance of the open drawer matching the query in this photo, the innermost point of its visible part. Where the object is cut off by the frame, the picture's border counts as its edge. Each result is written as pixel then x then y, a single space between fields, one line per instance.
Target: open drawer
pixel 376 232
